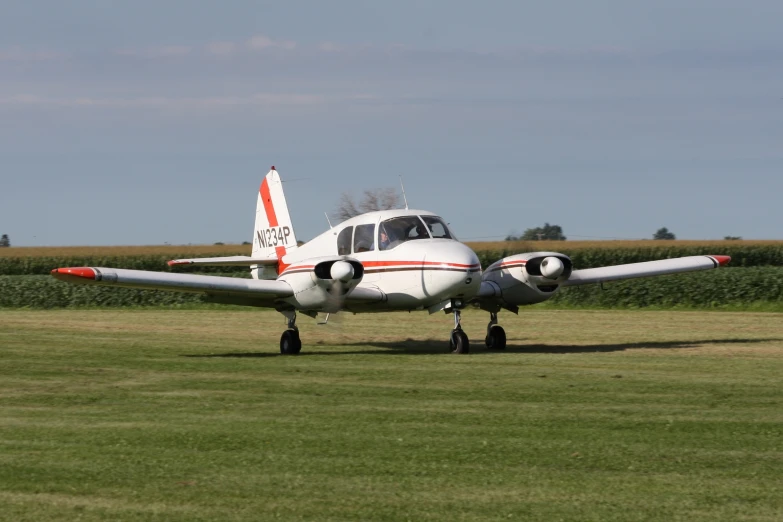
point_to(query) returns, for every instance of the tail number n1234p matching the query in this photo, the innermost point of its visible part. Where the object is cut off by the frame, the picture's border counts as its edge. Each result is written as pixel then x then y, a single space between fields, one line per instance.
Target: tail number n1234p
pixel 270 237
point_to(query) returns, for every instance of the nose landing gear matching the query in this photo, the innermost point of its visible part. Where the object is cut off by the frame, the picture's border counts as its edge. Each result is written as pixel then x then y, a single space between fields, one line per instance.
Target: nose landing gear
pixel 496 335
pixel 458 342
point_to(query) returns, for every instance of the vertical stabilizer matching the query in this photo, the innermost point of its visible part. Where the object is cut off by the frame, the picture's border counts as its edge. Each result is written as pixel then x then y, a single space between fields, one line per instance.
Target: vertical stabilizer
pixel 273 235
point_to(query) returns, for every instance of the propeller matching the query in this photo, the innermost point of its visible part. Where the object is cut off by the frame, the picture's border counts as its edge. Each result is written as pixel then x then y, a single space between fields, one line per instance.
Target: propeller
pixel 552 268
pixel 341 272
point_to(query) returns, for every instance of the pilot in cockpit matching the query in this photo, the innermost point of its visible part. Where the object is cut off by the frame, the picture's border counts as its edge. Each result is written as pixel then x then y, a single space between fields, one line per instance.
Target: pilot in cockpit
pixel 384 239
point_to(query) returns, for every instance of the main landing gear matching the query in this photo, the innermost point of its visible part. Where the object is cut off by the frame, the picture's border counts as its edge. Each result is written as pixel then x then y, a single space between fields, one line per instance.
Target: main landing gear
pixel 290 344
pixel 458 343
pixel 496 335
pixel 495 339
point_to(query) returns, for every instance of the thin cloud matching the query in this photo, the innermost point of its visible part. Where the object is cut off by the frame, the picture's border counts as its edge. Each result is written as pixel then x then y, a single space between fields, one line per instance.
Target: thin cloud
pixel 330 47
pixel 208 102
pixel 19 54
pixel 221 48
pixel 261 42
pixel 167 51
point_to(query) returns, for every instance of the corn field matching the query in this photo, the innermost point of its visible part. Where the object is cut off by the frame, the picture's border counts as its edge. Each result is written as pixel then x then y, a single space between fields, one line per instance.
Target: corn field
pixel 755 275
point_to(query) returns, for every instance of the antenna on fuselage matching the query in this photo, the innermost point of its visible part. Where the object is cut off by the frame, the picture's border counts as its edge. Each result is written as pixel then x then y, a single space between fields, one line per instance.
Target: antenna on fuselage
pixel 404 197
pixel 327 220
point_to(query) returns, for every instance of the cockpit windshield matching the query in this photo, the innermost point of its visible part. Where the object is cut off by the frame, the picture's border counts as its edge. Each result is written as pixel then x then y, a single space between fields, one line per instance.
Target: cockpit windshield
pixel 396 231
pixel 437 227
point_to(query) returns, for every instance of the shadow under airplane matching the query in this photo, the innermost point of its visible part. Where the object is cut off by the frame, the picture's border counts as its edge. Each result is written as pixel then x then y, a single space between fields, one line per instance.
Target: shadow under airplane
pixel 429 346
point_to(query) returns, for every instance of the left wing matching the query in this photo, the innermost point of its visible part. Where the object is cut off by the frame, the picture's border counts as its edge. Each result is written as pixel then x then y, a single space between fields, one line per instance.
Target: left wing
pixel 535 277
pixel 227 290
pixel 645 269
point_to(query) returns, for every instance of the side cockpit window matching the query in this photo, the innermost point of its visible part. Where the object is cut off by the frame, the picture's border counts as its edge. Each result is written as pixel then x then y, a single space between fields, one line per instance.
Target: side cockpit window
pixel 344 241
pixel 396 231
pixel 362 238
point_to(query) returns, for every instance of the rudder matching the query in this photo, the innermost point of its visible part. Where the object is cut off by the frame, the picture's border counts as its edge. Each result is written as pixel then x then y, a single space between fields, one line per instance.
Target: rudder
pixel 273 235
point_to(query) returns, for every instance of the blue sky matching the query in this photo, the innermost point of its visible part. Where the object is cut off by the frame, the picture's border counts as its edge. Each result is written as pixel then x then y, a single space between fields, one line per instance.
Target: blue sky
pixel 149 122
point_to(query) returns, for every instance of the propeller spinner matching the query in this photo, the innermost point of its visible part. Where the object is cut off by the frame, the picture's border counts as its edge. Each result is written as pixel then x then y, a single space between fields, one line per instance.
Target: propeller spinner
pixel 341 271
pixel 552 267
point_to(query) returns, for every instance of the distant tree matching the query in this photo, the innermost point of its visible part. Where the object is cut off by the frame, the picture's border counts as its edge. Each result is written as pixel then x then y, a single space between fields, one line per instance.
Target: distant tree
pixel 5 241
pixel 546 233
pixel 219 243
pixel 732 238
pixel 663 233
pixel 371 200
pixel 246 243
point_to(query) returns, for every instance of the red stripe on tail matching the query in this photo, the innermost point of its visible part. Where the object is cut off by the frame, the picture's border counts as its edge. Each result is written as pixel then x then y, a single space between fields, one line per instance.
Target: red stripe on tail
pixel 271 217
pixel 269 208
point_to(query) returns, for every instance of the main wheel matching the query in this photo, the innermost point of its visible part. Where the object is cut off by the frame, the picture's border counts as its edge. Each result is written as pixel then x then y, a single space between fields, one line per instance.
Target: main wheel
pixel 496 338
pixel 290 344
pixel 458 343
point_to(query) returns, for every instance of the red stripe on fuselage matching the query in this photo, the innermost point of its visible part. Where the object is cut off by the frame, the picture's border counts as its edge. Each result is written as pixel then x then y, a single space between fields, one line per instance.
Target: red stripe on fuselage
pixel 368 264
pixel 388 266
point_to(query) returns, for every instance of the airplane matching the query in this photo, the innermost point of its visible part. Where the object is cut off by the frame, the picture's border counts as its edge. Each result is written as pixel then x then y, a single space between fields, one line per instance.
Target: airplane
pixel 383 261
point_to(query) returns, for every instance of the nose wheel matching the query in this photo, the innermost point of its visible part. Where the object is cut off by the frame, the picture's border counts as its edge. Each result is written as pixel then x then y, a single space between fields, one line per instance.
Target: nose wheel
pixel 290 344
pixel 496 335
pixel 458 342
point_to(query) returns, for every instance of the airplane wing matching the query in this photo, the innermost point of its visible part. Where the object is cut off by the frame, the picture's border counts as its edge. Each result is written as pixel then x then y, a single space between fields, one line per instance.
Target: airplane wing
pixel 645 269
pixel 225 261
pixel 504 291
pixel 216 289
pixel 226 290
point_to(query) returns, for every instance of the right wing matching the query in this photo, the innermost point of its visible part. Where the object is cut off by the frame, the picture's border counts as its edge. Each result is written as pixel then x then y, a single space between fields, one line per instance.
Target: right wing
pixel 227 290
pixel 645 269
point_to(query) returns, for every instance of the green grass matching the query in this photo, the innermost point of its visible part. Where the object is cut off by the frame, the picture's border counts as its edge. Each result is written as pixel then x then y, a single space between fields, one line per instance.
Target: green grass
pixel 192 415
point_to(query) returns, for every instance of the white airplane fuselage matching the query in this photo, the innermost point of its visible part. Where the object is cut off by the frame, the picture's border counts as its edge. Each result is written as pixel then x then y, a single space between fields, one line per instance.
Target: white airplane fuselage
pixel 414 275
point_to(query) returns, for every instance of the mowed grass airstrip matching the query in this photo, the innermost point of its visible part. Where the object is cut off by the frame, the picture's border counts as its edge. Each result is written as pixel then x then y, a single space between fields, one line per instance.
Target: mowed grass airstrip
pixel 193 415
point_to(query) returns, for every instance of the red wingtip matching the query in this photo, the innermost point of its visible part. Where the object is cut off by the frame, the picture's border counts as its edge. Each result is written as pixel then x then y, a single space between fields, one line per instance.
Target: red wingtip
pixel 722 260
pixel 174 262
pixel 80 271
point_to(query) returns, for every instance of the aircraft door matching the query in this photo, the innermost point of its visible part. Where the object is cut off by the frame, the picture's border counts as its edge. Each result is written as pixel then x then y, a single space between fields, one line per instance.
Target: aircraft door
pixel 365 250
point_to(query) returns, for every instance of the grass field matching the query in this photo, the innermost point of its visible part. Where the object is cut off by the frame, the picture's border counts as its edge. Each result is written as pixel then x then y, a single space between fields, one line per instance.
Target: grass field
pixel 192 415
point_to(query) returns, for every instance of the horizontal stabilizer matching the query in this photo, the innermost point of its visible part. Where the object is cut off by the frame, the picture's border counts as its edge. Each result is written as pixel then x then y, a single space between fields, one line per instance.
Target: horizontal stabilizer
pixel 226 261
pixel 645 269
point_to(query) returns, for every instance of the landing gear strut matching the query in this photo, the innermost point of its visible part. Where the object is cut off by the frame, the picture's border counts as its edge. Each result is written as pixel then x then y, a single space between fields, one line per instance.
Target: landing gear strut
pixel 496 335
pixel 458 343
pixel 290 344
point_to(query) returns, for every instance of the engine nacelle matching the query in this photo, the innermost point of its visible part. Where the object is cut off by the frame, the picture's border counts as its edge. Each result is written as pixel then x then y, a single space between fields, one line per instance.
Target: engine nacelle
pixel 322 286
pixel 342 273
pixel 529 278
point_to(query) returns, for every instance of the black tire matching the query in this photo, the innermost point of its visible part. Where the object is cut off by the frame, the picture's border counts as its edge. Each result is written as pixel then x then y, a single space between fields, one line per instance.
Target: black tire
pixel 496 338
pixel 290 344
pixel 459 343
